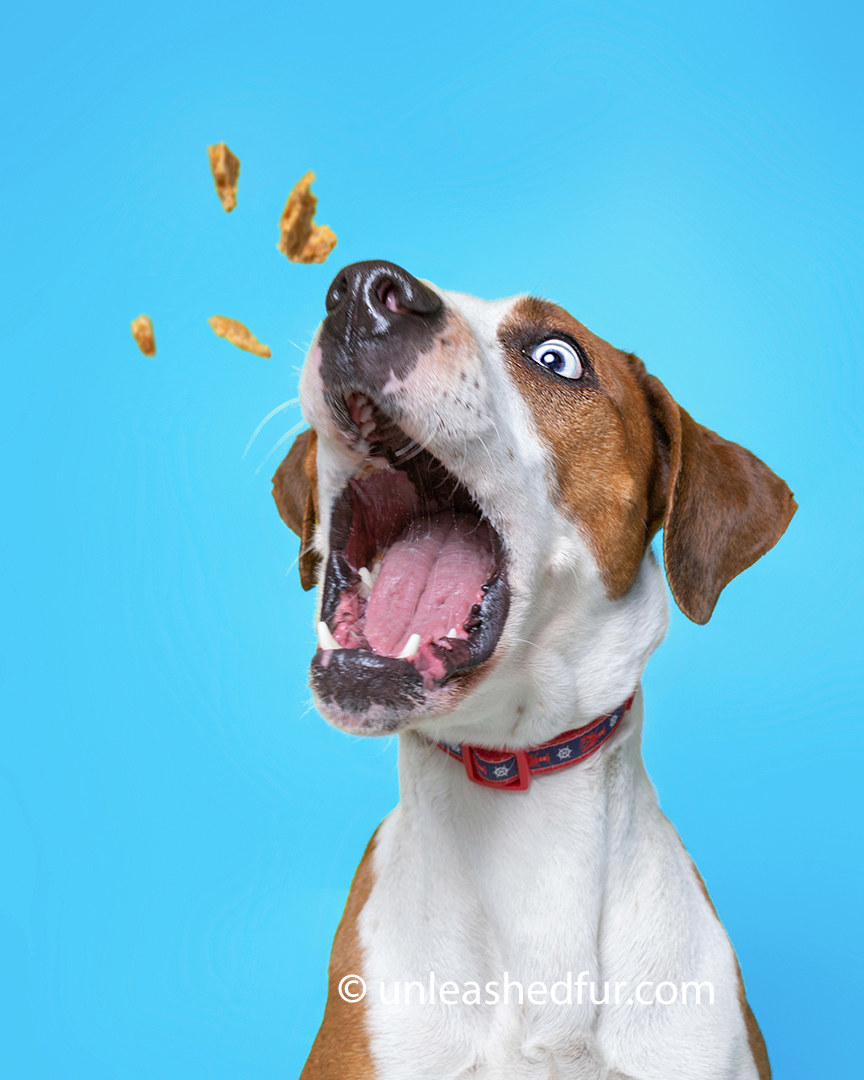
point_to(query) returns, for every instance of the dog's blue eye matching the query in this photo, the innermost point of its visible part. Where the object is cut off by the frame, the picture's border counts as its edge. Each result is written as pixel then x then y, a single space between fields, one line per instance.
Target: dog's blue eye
pixel 558 356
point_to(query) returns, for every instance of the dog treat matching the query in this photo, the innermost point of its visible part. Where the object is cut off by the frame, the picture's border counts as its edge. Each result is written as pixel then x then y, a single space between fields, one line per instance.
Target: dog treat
pixel 225 167
pixel 302 240
pixel 142 331
pixel 239 335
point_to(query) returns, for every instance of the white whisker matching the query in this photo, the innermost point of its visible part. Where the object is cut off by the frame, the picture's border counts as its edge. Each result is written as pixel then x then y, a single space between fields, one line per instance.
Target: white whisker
pixel 525 641
pixel 281 442
pixel 266 420
pixel 412 449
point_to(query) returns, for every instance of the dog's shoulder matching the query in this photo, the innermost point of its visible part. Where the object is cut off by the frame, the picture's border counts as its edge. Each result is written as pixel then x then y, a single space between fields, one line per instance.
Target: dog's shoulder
pixel 341 1048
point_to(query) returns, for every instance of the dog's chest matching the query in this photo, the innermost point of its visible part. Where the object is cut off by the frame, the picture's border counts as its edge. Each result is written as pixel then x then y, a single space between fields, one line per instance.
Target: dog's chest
pixel 491 941
pixel 454 971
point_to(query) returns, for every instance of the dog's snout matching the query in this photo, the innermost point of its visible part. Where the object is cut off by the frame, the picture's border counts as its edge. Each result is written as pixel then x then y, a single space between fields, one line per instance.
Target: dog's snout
pixel 378 318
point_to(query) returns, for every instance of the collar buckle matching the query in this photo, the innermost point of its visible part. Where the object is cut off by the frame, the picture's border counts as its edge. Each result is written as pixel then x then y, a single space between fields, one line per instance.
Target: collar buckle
pixel 520 782
pixel 495 768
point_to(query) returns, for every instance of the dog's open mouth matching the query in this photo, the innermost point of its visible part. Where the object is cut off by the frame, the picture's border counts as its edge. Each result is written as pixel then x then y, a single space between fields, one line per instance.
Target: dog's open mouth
pixel 415 590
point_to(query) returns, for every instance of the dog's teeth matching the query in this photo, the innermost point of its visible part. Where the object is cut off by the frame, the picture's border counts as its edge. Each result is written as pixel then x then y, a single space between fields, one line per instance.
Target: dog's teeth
pixel 452 632
pixel 367 428
pixel 325 638
pixel 365 413
pixel 412 646
pixel 366 582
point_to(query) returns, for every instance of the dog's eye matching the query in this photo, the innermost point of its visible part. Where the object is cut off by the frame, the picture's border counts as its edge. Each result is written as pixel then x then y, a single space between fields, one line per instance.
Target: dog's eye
pixel 558 356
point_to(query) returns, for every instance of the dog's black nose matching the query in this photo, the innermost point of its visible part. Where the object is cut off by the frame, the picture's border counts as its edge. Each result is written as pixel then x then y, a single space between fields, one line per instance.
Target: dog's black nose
pixel 379 320
pixel 373 298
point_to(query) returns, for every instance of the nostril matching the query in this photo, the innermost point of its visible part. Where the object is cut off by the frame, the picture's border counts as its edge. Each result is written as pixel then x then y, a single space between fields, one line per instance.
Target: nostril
pixel 369 299
pixel 336 292
pixel 390 297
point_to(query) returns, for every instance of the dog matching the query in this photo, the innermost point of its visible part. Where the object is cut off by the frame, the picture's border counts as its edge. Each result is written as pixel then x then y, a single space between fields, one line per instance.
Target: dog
pixel 476 497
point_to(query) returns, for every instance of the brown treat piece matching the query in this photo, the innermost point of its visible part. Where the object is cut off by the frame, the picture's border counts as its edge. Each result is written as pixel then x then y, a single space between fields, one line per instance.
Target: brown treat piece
pixel 238 335
pixel 321 242
pixel 225 167
pixel 302 240
pixel 142 331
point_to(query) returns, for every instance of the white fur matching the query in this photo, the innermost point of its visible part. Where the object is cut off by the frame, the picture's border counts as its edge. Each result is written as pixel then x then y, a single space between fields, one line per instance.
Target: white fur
pixel 581 872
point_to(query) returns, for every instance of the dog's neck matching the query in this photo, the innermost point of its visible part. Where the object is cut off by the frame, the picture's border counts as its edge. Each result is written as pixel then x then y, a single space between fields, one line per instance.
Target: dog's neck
pixel 590 810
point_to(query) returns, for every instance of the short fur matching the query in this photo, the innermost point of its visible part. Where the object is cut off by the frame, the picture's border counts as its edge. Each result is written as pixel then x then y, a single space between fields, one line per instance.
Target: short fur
pixel 582 871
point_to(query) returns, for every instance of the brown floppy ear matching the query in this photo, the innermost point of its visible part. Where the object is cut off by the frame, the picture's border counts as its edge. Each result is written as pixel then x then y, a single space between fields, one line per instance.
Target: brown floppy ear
pixel 295 491
pixel 722 507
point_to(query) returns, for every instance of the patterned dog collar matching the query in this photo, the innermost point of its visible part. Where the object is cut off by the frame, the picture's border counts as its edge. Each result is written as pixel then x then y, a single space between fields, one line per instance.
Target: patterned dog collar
pixel 511 770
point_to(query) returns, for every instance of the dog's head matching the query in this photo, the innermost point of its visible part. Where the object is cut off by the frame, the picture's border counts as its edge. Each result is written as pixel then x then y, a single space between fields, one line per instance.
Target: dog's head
pixel 476 498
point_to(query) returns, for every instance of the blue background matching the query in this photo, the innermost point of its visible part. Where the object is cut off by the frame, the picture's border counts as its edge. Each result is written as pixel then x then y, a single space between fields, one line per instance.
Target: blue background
pixel 180 827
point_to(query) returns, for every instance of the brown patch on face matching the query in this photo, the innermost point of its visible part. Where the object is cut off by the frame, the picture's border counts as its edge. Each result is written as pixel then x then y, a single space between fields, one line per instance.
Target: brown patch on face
pixel 600 435
pixel 754 1036
pixel 627 458
pixel 341 1047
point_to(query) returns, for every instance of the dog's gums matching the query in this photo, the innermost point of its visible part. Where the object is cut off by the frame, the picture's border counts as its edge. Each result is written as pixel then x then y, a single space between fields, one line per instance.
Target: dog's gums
pixel 415 590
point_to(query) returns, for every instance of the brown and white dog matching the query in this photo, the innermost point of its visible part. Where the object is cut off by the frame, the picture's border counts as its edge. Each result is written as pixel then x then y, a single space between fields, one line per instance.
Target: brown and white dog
pixel 476 501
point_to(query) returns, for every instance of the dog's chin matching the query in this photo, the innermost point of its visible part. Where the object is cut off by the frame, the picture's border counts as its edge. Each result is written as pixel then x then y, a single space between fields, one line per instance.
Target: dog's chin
pixel 386 702
pixel 414 594
pixel 372 719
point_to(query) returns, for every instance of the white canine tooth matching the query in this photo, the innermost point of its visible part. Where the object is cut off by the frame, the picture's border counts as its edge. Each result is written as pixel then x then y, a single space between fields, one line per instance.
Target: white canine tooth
pixel 366 428
pixel 452 632
pixel 325 638
pixel 365 413
pixel 412 647
pixel 366 582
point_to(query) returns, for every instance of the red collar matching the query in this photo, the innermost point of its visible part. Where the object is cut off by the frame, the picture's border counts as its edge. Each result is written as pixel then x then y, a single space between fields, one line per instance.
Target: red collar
pixel 511 770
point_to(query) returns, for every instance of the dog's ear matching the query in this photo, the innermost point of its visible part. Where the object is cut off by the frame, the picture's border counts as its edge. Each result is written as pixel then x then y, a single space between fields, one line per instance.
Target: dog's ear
pixel 295 491
pixel 721 507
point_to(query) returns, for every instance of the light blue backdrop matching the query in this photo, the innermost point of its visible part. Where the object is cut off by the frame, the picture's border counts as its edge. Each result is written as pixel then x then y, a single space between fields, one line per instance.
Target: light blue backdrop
pixel 180 826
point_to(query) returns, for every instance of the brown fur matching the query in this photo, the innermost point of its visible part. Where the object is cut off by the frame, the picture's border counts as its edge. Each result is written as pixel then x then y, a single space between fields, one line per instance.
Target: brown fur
pixel 341 1047
pixel 626 459
pixel 600 438
pixel 724 507
pixel 754 1035
pixel 295 491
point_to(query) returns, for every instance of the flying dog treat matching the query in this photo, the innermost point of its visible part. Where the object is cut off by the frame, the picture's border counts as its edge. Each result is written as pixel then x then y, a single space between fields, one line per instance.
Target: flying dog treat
pixel 142 331
pixel 238 335
pixel 302 240
pixel 225 167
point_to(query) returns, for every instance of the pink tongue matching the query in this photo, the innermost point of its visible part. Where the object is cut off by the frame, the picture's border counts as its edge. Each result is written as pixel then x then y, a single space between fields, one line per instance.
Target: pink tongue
pixel 429 580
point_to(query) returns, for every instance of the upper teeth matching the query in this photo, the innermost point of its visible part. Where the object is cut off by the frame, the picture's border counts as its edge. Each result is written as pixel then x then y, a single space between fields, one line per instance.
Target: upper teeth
pixel 367 580
pixel 364 414
pixel 325 638
pixel 412 646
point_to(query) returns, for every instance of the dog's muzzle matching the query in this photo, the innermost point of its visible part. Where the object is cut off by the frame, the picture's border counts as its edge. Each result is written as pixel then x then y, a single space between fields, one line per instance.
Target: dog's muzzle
pixel 414 593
